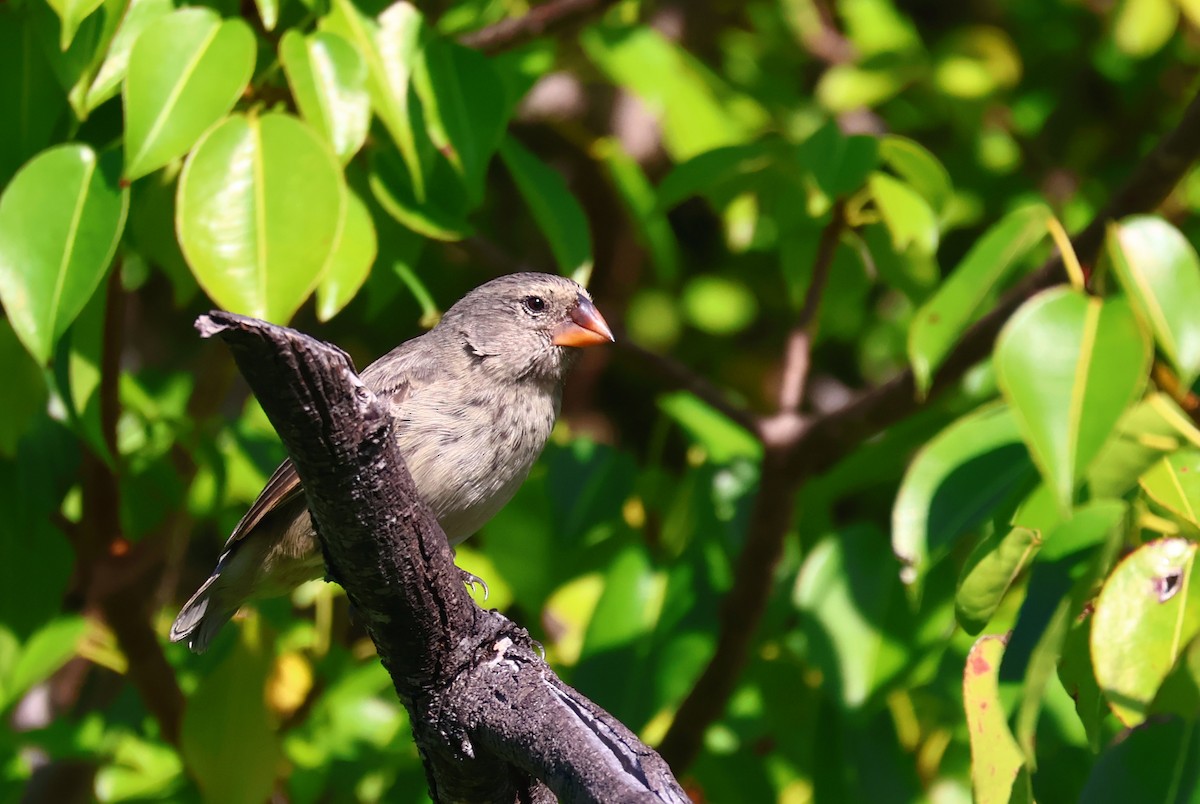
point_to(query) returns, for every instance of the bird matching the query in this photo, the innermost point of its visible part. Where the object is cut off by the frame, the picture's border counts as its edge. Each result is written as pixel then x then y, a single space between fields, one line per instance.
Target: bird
pixel 473 402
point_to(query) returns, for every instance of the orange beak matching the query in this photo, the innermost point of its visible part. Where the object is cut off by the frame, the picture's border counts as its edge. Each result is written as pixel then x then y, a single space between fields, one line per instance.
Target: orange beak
pixel 586 327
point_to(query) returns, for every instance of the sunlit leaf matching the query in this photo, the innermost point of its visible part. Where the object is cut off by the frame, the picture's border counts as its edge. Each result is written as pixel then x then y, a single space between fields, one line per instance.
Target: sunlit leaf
pixel 328 81
pixel 918 167
pixel 389 46
pixel 350 262
pixel 908 216
pixel 1070 365
pixel 60 220
pixel 47 650
pixel 1147 612
pixel 639 197
pixel 1174 483
pixel 940 322
pixel 107 82
pixel 1160 272
pixel 72 13
pixel 996 759
pixel 261 200
pixel 186 70
pixel 1142 27
pixel 1154 427
pixel 443 213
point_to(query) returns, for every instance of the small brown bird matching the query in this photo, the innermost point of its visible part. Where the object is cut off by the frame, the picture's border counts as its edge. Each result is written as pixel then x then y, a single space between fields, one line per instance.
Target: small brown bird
pixel 474 400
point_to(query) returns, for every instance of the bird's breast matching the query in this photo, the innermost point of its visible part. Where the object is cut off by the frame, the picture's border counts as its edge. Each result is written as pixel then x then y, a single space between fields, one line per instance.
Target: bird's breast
pixel 469 451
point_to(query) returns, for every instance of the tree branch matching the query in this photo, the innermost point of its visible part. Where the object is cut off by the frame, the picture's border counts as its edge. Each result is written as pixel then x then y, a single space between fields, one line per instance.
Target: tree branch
pixel 799 346
pixel 805 448
pixel 541 20
pixel 491 720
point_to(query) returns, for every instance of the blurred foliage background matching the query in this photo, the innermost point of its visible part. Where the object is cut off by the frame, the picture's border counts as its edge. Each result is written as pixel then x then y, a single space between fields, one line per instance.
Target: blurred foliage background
pixel 774 517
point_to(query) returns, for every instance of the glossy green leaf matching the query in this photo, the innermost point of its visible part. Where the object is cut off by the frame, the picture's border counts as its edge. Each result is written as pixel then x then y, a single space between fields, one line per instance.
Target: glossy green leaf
pixel 1180 690
pixel 137 16
pixel 1147 612
pixel 697 109
pixel 1174 483
pixel 638 196
pixel 558 214
pixel 328 80
pixel 953 484
pixel 990 571
pixel 390 47
pixel 230 700
pixel 940 322
pixel 1156 762
pixel 1154 427
pixel 1078 678
pixel 261 200
pixel 46 651
pixel 1069 366
pixel 60 220
pixel 268 12
pixel 917 166
pixel 996 759
pixel 465 108
pixel 72 13
pixel 186 70
pixel 1160 272
pixel 908 216
pixel 351 260
pixel 721 438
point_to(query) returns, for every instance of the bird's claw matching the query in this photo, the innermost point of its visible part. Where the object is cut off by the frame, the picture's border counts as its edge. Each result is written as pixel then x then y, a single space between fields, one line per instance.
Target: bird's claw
pixel 472 580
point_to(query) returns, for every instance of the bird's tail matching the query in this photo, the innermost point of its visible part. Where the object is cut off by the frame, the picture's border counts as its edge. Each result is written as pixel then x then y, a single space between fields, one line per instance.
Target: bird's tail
pixel 203 615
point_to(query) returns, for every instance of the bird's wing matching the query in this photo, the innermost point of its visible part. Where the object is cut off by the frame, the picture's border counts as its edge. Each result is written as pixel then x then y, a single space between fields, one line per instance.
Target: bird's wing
pixel 283 487
pixel 393 379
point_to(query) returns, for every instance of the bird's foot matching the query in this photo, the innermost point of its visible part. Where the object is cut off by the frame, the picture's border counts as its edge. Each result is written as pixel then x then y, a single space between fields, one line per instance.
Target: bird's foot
pixel 471 580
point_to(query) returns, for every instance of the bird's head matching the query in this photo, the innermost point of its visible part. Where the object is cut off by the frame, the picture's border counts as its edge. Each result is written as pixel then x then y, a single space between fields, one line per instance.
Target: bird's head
pixel 526 325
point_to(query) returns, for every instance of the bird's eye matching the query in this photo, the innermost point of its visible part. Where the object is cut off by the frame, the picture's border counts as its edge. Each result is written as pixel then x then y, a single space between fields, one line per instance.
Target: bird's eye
pixel 534 304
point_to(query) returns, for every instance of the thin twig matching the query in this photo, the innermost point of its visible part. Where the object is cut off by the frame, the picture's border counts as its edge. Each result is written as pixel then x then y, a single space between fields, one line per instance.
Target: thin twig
pixel 799 346
pixel 541 20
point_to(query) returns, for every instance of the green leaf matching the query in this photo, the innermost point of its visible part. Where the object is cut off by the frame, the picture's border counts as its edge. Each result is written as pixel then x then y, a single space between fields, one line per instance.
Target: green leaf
pixel 186 70
pixel 390 47
pixel 1157 761
pixel 268 12
pixel 60 220
pixel 557 212
pixel 719 305
pixel 1160 272
pixel 1152 428
pixel 441 216
pixel 990 571
pixel 716 173
pixel 920 168
pixel 463 100
pixel 72 13
pixel 1174 483
pixel 351 260
pixel 996 759
pixel 940 322
pixel 1142 27
pixel 908 216
pixel 697 109
pixel 261 200
pixel 47 650
pixel 638 196
pixel 1078 678
pixel 328 81
pixel 1069 365
pixel 22 395
pixel 230 701
pixel 107 81
pixel 31 100
pixel 953 484
pixel 1147 612
pixel 721 438
pixel 839 164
